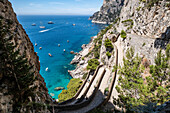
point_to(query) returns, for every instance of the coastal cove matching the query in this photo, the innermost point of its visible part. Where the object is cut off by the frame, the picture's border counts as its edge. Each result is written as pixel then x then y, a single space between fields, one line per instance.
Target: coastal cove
pixel 58 33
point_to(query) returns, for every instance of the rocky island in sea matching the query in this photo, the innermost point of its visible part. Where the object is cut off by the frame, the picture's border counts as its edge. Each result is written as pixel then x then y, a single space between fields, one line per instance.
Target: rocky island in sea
pixel 125 68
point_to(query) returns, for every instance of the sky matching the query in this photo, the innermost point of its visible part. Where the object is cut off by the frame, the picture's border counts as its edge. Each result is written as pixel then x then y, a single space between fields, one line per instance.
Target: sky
pixel 56 7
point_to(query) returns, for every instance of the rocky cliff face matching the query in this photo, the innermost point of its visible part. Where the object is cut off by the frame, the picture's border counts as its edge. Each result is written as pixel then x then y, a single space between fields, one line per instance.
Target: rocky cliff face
pixel 147 29
pixel 25 47
pixel 145 24
pixel 138 18
pixel 108 12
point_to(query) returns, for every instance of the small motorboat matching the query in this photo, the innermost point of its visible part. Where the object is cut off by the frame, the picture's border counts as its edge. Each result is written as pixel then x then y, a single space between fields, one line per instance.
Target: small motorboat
pixel 50 22
pixel 42 27
pixel 46 69
pixel 35 44
pixel 59 88
pixel 72 52
pixel 33 24
pixel 68 41
pixel 58 45
pixel 49 54
pixel 40 47
pixel 74 24
pixel 64 50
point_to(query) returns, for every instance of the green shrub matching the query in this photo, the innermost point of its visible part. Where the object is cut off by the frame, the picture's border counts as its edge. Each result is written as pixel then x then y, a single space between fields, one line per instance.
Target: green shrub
pixel 72 88
pixel 84 76
pixel 106 91
pixel 108 43
pixel 111 32
pixel 123 34
pixel 92 64
pixel 143 44
pixel 82 58
pixel 116 20
pixel 138 9
pixel 96 54
pixel 128 22
pixel 108 54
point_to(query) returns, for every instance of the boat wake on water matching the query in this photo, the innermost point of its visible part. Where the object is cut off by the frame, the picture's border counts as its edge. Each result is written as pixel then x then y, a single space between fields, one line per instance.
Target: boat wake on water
pixel 44 30
pixel 50 29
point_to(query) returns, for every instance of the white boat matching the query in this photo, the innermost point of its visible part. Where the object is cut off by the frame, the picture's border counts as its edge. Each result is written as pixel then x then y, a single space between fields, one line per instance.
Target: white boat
pixel 33 24
pixel 35 44
pixel 58 45
pixel 68 41
pixel 42 27
pixel 74 24
pixel 46 69
pixel 40 47
pixel 50 22
pixel 64 50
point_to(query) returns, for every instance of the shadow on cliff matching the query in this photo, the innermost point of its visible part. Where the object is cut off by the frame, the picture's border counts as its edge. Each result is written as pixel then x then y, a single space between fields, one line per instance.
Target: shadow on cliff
pixel 164 40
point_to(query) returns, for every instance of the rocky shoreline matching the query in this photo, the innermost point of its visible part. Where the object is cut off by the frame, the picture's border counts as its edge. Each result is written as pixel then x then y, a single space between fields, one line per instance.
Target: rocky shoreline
pixel 81 61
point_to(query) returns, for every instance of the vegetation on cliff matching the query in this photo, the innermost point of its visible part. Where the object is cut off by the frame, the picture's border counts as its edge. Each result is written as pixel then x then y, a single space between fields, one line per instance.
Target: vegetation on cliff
pixel 137 88
pixel 14 69
pixel 92 64
pixel 123 34
pixel 72 88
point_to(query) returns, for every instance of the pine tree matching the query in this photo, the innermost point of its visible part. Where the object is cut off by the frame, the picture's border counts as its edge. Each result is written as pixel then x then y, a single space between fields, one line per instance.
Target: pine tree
pixel 136 90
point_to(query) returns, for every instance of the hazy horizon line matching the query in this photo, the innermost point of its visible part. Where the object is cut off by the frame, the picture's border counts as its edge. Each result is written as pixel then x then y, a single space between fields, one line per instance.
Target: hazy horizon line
pixel 58 14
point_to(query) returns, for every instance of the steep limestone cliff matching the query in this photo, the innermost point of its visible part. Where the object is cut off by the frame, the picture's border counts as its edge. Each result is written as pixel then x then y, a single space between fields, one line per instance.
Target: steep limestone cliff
pixel 10 28
pixel 145 25
pixel 108 12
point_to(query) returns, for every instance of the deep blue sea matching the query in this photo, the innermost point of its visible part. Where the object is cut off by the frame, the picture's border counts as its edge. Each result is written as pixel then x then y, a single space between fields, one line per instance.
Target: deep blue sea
pixel 58 33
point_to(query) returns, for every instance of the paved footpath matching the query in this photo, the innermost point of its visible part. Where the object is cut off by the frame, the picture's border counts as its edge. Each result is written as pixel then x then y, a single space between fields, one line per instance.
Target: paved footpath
pixel 99 97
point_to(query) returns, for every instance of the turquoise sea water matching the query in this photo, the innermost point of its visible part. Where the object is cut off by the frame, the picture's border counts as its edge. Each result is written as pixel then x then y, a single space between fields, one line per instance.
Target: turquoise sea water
pixel 58 33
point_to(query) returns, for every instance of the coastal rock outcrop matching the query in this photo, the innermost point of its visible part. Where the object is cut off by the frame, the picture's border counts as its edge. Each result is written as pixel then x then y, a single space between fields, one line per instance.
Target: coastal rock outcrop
pixel 108 12
pixel 15 32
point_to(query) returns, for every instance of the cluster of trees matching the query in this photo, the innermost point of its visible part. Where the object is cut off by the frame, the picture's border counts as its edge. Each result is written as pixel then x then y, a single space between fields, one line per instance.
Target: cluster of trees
pixel 72 88
pixel 135 89
pixel 14 68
